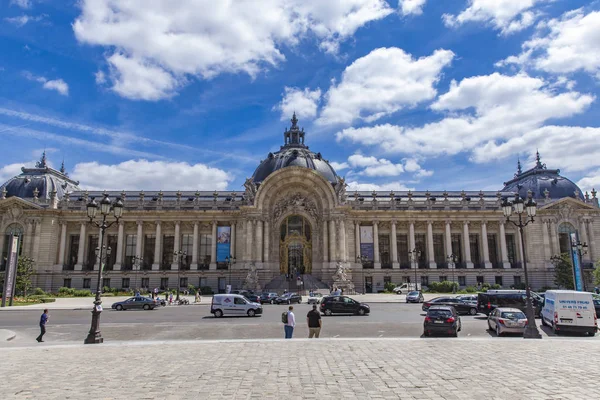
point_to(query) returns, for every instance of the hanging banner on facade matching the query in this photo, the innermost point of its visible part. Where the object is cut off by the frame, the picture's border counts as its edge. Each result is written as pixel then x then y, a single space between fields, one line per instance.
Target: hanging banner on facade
pixel 366 242
pixel 576 262
pixel 223 243
pixel 11 268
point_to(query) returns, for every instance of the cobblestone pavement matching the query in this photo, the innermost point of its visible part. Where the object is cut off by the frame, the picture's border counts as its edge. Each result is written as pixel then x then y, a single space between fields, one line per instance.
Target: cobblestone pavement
pixel 304 369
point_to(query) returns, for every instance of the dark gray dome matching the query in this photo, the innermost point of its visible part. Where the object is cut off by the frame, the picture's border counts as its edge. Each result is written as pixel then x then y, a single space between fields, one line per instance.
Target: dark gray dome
pixel 294 153
pixel 42 180
pixel 540 180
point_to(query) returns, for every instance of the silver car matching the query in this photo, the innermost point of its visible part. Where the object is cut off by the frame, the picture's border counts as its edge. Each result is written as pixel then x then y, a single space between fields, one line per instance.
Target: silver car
pixel 507 320
pixel 414 297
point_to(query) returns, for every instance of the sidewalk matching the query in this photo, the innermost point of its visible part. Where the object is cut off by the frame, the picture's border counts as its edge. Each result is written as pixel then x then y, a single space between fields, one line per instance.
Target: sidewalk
pixel 450 369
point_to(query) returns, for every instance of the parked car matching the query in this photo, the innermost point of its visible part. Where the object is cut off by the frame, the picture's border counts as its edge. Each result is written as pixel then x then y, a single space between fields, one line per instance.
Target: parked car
pixel 235 305
pixel 469 298
pixel 406 287
pixel 254 298
pixel 570 311
pixel 314 298
pixel 268 297
pixel 415 297
pixel 442 319
pixel 507 320
pixel 288 298
pixel 597 306
pixel 136 303
pixel 343 305
pixel 462 307
pixel 490 300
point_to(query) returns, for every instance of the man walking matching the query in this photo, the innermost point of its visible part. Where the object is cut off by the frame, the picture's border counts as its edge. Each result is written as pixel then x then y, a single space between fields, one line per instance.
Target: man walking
pixel 290 324
pixel 43 320
pixel 313 319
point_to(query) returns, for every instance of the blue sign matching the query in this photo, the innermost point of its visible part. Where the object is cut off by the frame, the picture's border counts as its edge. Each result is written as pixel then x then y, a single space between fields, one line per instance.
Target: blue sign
pixel 223 243
pixel 576 263
pixel 367 250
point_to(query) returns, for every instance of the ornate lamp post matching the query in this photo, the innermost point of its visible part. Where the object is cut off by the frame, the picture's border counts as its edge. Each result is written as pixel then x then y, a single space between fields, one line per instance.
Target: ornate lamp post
pixel 363 260
pixel 520 208
pixel 137 264
pixel 179 255
pixel 106 206
pixel 230 260
pixel 414 255
pixel 452 265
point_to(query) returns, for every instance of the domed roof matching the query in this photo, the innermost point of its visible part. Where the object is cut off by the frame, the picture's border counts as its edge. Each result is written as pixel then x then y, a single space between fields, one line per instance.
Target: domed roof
pixel 39 182
pixel 294 153
pixel 541 182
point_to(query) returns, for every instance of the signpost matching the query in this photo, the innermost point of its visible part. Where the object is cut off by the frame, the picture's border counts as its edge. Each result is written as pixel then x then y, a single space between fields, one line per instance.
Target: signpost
pixel 11 270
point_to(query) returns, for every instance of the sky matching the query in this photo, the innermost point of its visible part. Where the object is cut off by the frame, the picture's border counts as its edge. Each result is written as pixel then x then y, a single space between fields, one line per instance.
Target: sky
pixel 396 94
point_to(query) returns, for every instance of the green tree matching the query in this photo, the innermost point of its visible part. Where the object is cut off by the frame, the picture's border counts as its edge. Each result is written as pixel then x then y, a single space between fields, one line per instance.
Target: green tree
pixel 563 271
pixel 597 273
pixel 25 269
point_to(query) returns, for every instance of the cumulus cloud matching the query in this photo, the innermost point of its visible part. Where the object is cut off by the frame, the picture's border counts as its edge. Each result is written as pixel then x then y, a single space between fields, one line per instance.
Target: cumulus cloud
pixel 303 102
pixel 564 45
pixel 590 181
pixel 408 7
pixel 54 84
pixel 339 166
pixel 366 186
pixel 143 174
pixel 203 38
pixel 24 19
pixel 11 170
pixel 21 3
pixel 370 166
pixel 507 16
pixel 479 111
pixel 381 83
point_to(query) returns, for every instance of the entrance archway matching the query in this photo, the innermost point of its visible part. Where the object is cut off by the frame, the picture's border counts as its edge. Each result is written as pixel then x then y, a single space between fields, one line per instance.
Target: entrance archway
pixel 295 246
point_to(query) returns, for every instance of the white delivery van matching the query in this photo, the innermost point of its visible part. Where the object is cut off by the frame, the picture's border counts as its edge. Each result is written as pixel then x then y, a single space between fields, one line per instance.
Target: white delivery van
pixel 234 305
pixel 569 311
pixel 406 287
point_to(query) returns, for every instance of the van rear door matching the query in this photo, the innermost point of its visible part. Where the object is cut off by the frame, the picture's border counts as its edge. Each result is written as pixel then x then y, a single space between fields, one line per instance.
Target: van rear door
pixel 584 314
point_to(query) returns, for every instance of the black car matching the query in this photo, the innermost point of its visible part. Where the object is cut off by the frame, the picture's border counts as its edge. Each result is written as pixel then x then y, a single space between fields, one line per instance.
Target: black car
pixel 268 298
pixel 288 298
pixel 343 305
pixel 461 306
pixel 597 306
pixel 489 301
pixel 254 298
pixel 442 320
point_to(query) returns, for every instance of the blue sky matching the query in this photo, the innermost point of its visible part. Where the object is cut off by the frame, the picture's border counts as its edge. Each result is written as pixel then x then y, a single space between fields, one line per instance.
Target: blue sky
pixel 421 94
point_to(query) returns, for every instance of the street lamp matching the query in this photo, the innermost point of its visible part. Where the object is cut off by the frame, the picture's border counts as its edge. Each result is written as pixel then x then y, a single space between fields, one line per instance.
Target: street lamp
pixel 106 206
pixel 137 264
pixel 363 260
pixel 230 260
pixel 452 265
pixel 521 208
pixel 179 255
pixel 414 255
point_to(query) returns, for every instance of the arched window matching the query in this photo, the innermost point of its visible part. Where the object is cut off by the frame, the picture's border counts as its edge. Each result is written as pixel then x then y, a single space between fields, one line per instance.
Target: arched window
pixel 295 225
pixel 564 231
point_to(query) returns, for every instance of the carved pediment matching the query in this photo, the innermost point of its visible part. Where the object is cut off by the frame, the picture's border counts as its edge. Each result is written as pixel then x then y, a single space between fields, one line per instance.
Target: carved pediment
pixel 567 203
pixel 12 202
pixel 293 203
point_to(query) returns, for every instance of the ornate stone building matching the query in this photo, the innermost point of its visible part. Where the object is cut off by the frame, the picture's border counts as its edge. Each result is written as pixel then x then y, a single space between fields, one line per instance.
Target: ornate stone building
pixel 294 217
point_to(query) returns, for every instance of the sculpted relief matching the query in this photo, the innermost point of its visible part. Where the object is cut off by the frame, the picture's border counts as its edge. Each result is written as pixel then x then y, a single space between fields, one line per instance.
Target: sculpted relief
pixel 293 203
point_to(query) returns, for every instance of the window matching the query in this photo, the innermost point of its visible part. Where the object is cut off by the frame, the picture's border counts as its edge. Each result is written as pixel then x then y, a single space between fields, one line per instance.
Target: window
pixel 237 300
pixel 130 245
pixel 111 259
pixel 183 282
pixel 420 246
pixel 511 249
pixel 73 252
pixel 462 281
pixel 125 283
pixel 221 285
pixel 474 246
pixel 443 278
pixel 498 280
pixel 438 250
pixel 517 280
pixel 493 250
pixel 202 281
pixel 387 279
pixel 168 249
pixel 67 282
pixel 148 256
pixel 187 245
pixel 479 280
pixel 164 283
pixel 205 251
pixel 424 281
pixel 105 282
pixel 402 245
pixel 87 283
pixel 91 257
pixel 457 249
pixel 384 251
pixel 145 283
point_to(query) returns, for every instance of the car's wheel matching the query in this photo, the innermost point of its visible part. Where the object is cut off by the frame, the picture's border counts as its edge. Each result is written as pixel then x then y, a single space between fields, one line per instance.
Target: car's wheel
pixel 289 302
pixel 489 326
pixel 146 307
pixel 328 312
pixel 472 311
pixel 554 330
pixel 455 334
pixel 119 307
pixel 460 327
pixel 426 334
pixel 544 322
pixel 251 313
pixel 361 311
pixel 218 313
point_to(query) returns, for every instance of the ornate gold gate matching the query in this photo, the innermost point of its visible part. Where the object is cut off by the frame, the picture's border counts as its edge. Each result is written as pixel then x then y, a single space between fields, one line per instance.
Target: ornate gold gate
pixel 295 248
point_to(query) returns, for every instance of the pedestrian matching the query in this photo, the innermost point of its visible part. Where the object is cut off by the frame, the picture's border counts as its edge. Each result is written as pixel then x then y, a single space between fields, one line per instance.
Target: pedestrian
pixel 290 323
pixel 171 298
pixel 43 321
pixel 197 300
pixel 313 319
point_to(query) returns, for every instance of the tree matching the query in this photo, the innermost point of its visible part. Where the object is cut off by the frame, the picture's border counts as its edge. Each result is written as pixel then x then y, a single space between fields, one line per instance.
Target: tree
pixel 25 269
pixel 563 271
pixel 597 273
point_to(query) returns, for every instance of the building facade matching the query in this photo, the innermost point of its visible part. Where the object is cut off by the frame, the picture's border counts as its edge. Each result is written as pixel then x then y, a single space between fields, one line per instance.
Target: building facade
pixel 294 217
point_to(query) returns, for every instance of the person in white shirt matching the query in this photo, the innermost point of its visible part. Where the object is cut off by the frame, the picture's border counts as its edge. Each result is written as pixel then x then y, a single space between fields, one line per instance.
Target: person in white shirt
pixel 291 323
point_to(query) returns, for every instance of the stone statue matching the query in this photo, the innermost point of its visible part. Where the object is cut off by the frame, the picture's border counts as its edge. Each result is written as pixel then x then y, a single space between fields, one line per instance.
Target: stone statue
pixel 342 279
pixel 251 280
pixel 250 190
pixel 340 190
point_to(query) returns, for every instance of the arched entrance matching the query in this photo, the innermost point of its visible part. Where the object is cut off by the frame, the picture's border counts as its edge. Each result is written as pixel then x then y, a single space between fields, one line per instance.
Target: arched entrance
pixel 564 236
pixel 295 247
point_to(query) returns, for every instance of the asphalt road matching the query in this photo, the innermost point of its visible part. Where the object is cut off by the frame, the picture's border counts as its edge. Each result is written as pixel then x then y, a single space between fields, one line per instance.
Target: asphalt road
pixel 194 322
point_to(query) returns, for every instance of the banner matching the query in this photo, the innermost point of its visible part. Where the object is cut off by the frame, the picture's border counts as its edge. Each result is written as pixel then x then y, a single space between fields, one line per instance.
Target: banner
pixel 11 267
pixel 576 262
pixel 223 243
pixel 366 242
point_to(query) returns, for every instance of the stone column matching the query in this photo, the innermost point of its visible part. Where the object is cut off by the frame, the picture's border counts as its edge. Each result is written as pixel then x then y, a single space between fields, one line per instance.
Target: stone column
pixel 592 242
pixel 120 241
pixel 394 244
pixel 449 240
pixel 377 261
pixel 81 249
pixel 176 245
pixel 27 239
pixel 430 251
pixel 554 238
pixel 213 247
pixel 248 252
pixel 139 238
pixel 583 238
pixel 157 247
pixel 546 241
pixel 195 247
pixel 232 239
pixel 259 240
pixel 332 240
pixel 467 245
pixel 343 252
pixel 503 249
pixel 63 243
pixel 325 242
pixel 484 245
pixel 357 241
pixel 36 239
pixel 411 236
pixel 519 246
pixel 266 233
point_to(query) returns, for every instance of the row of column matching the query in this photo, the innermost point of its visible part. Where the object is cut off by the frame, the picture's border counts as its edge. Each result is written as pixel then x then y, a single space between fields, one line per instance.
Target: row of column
pixel 257 240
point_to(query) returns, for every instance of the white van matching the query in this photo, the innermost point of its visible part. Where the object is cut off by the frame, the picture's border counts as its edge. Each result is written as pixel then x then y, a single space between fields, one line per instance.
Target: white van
pixel 569 311
pixel 406 287
pixel 235 305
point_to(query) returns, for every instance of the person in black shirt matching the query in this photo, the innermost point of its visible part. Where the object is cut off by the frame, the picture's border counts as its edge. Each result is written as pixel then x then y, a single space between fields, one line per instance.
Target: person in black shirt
pixel 313 319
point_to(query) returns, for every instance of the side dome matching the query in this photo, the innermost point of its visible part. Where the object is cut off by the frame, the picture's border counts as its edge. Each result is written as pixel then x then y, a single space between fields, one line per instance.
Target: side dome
pixel 40 182
pixel 542 183
pixel 294 153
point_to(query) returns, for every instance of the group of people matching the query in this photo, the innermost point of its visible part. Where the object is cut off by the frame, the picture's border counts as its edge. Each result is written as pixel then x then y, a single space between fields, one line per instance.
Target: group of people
pixel 313 320
pixel 335 291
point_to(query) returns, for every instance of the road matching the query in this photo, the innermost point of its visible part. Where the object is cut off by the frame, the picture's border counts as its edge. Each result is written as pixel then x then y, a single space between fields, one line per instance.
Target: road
pixel 194 322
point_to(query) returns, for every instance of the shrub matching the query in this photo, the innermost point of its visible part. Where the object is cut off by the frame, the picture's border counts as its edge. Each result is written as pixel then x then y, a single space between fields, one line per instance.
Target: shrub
pixel 442 287
pixel 47 299
pixel 38 291
pixel 389 287
pixel 471 289
pixel 496 286
pixel 82 293
pixel 206 290
pixel 520 286
pixel 65 292
pixel 486 286
pixel 545 288
pixel 192 289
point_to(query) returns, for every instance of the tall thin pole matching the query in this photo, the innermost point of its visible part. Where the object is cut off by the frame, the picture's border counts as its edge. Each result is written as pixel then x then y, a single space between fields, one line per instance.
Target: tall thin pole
pixel 531 332
pixel 94 335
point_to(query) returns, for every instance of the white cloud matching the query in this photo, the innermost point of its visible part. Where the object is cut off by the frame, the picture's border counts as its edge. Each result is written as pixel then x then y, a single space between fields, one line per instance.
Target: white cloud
pixel 508 16
pixel 376 167
pixel 564 45
pixel 11 170
pixel 365 186
pixel 143 174
pixel 55 84
pixel 339 166
pixel 381 83
pixel 590 181
pixel 100 77
pixel 24 19
pixel 408 7
pixel 479 110
pixel 21 3
pixel 205 38
pixel 303 102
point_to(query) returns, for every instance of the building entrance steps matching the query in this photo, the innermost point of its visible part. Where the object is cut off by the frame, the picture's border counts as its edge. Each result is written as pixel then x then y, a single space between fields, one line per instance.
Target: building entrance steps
pixel 281 283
